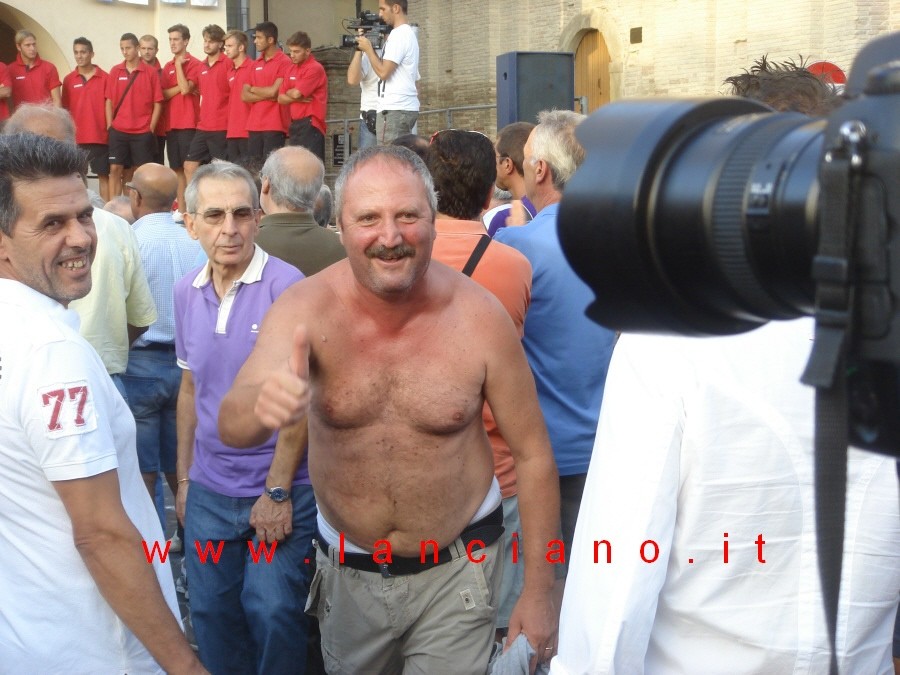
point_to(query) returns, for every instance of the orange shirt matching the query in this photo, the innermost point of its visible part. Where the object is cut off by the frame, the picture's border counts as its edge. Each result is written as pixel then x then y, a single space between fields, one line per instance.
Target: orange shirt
pixel 507 274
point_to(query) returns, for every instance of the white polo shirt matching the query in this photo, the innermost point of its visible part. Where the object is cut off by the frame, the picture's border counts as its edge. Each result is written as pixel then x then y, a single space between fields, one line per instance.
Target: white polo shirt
pixel 398 92
pixel 61 418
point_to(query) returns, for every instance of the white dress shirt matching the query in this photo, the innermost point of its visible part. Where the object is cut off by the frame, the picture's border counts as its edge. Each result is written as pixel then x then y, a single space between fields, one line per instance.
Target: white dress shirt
pixel 702 437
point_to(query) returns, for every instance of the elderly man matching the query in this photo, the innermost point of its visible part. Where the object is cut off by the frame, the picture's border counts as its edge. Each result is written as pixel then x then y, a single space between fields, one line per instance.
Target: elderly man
pixel 73 511
pixel 247 613
pixel 291 181
pixel 399 456
pixel 152 378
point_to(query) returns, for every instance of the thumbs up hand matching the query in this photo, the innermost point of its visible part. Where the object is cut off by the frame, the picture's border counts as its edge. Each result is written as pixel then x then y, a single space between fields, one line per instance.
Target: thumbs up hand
pixel 284 397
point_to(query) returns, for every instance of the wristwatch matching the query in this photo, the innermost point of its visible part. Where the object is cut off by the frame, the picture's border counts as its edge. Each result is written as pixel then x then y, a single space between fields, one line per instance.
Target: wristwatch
pixel 278 494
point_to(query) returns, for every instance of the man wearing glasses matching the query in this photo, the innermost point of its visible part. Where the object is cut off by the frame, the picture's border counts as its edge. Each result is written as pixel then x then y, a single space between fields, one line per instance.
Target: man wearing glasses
pixel 246 605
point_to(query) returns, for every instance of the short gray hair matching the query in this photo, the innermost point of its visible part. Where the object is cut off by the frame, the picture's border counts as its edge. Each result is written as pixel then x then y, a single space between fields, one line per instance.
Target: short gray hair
pixel 218 170
pixel 284 187
pixel 27 115
pixel 394 153
pixel 553 140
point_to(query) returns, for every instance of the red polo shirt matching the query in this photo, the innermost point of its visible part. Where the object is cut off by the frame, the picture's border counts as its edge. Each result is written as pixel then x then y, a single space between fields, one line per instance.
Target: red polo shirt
pixel 32 84
pixel 5 81
pixel 184 109
pixel 85 98
pixel 215 92
pixel 238 111
pixel 162 125
pixel 310 79
pixel 137 108
pixel 268 115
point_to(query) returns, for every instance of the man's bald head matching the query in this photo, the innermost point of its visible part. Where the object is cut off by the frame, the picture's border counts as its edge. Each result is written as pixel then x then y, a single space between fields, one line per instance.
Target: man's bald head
pixel 43 120
pixel 292 178
pixel 156 186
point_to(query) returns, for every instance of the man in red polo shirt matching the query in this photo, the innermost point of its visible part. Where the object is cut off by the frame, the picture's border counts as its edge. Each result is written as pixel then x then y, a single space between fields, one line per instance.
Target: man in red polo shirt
pixel 179 86
pixel 149 48
pixel 5 91
pixel 215 90
pixel 133 104
pixel 238 111
pixel 33 79
pixel 84 96
pixel 268 120
pixel 305 92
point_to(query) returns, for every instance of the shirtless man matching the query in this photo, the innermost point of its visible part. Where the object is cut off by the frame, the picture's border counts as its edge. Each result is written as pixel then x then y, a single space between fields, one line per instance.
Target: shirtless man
pixel 378 350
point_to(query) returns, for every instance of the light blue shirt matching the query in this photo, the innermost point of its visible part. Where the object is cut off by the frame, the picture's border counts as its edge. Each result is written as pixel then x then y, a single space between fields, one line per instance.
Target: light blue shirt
pixel 568 353
pixel 168 254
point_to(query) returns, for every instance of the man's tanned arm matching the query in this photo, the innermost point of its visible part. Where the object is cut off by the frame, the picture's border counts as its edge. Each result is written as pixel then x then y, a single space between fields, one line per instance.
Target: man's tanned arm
pixel 271 390
pixel 510 391
pixel 111 549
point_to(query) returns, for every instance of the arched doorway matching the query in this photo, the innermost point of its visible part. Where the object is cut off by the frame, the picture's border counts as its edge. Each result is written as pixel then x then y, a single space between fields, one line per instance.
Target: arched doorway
pixel 592 83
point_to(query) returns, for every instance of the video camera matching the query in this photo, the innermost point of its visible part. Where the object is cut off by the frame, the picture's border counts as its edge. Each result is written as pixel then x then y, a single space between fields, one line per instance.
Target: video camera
pixel 712 217
pixel 374 29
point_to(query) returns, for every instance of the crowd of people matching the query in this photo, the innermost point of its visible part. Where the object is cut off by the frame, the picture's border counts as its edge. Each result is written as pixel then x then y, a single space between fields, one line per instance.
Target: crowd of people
pixel 378 439
pixel 188 110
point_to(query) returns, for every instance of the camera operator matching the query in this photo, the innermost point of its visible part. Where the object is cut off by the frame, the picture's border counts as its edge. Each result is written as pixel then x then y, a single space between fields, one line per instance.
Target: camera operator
pixel 701 482
pixel 360 72
pixel 398 70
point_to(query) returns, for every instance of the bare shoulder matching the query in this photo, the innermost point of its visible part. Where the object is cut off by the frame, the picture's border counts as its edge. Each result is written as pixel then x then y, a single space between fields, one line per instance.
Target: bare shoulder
pixel 471 299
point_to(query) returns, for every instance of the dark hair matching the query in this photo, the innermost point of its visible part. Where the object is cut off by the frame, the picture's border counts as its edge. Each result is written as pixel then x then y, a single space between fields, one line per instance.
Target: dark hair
pixel 129 37
pixel 464 169
pixel 299 39
pixel 29 157
pixel 214 32
pixel 785 86
pixel 511 141
pixel 183 30
pixel 83 41
pixel 267 28
pixel 403 4
pixel 418 144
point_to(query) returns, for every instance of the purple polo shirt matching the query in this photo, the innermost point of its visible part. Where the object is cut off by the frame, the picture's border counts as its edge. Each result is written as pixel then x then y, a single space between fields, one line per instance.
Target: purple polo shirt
pixel 499 219
pixel 212 340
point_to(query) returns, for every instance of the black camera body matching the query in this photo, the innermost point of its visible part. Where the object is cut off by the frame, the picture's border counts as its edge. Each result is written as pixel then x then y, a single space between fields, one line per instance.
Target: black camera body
pixel 712 217
pixel 374 29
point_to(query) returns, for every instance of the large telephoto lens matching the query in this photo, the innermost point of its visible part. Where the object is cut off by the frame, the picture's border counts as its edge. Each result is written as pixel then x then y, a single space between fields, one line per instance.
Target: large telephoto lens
pixel 695 217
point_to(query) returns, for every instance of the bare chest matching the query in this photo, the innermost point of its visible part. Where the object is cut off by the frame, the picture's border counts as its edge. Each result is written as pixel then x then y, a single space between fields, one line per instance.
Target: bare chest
pixel 428 379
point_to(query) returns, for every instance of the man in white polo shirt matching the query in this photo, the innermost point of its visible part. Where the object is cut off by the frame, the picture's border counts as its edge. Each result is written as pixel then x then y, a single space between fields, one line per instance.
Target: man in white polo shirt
pixel 73 509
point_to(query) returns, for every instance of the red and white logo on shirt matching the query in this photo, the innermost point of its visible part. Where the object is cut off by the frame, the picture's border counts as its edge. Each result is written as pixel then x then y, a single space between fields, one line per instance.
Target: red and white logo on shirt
pixel 68 409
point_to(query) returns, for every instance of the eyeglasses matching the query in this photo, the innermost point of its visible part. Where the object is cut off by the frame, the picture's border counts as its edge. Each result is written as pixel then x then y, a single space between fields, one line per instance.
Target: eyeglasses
pixel 130 186
pixel 242 214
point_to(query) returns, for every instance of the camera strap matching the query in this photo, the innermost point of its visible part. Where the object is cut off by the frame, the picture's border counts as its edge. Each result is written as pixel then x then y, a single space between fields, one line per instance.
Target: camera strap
pixel 827 367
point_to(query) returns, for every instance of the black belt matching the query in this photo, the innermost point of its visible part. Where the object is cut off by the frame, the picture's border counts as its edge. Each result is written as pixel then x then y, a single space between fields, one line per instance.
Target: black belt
pixel 485 531
pixel 156 347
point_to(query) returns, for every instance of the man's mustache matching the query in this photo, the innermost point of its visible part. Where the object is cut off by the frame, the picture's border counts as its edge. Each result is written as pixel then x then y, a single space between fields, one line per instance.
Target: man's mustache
pixel 391 253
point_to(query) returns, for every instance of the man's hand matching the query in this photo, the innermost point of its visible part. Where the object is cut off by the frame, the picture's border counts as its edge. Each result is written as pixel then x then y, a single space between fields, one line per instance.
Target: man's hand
pixel 273 520
pixel 294 94
pixel 536 615
pixel 364 45
pixel 284 396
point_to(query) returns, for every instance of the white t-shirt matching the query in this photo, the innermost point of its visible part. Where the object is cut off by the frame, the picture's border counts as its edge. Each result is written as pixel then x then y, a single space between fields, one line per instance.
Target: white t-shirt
pixel 61 418
pixel 399 91
pixel 702 437
pixel 368 84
